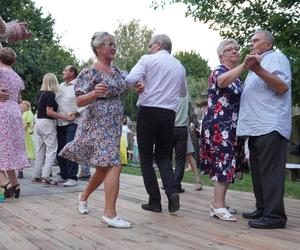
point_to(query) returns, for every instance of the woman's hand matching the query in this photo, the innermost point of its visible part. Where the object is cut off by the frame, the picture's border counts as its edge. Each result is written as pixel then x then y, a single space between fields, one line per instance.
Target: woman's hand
pixel 99 91
pixel 4 96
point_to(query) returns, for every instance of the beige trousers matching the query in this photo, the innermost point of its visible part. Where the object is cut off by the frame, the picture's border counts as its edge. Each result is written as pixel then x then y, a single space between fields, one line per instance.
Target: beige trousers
pixel 46 147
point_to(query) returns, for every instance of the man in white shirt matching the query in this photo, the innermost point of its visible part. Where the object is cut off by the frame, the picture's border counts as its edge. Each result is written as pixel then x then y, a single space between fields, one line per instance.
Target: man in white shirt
pixel 164 80
pixel 265 117
pixel 66 100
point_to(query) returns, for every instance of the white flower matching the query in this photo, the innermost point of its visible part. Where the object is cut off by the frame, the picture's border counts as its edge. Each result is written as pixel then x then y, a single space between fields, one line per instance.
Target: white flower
pixel 224 134
pixel 223 101
pixel 234 117
pixel 214 178
pixel 207 134
pixel 209 102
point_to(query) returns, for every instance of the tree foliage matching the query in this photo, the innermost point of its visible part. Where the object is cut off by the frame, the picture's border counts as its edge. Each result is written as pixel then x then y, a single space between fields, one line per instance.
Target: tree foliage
pixel 194 64
pixel 197 71
pixel 132 40
pixel 239 18
pixel 42 53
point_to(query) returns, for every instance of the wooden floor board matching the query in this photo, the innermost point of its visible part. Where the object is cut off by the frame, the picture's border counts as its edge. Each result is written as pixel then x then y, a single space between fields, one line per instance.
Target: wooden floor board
pixel 47 218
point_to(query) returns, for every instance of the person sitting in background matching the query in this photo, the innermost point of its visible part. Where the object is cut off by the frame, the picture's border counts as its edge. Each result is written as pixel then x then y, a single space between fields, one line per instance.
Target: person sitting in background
pixel 28 125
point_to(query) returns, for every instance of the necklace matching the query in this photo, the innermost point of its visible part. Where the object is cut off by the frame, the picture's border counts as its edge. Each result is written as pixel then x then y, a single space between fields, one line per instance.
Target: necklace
pixel 104 68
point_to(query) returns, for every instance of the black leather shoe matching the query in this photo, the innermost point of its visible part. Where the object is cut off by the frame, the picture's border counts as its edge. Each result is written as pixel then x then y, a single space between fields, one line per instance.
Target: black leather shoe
pixel 253 215
pixel 265 223
pixel 173 203
pixel 151 207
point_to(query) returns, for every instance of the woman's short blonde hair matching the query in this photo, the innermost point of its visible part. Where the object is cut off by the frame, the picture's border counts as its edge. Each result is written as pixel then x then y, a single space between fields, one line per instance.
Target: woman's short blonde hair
pixel 27 103
pixel 50 83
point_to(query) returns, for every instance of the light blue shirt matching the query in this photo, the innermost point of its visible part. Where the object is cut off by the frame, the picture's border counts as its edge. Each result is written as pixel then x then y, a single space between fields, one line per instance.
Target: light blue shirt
pixel 164 79
pixel 182 114
pixel 262 110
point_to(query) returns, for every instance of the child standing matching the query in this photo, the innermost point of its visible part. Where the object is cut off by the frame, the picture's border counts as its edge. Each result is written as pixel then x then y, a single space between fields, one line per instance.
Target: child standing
pixel 27 115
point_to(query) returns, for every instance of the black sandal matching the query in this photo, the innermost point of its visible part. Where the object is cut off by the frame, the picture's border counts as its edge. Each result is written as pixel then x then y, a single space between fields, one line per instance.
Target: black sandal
pixel 47 181
pixel 17 190
pixel 8 190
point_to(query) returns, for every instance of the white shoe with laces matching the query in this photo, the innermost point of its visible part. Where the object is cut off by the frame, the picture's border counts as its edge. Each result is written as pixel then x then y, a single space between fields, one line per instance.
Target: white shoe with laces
pixel 116 222
pixel 82 206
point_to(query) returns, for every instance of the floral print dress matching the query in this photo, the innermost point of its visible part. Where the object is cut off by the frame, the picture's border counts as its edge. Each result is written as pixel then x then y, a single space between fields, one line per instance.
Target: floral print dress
pixel 97 138
pixel 221 152
pixel 12 134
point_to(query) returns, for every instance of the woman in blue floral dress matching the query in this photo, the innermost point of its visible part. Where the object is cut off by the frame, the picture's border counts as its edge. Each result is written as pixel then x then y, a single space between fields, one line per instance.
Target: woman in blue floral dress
pixel 97 139
pixel 221 152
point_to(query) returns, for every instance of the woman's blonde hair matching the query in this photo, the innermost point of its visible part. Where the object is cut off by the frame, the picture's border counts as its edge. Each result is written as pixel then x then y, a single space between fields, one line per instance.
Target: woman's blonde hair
pixel 50 83
pixel 27 103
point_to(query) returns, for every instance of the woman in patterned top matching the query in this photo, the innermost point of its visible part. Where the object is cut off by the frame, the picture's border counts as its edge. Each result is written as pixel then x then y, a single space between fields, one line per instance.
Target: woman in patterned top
pixel 221 152
pixel 97 139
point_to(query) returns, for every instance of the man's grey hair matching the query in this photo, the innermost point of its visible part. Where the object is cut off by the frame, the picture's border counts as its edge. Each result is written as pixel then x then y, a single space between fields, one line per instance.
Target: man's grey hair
pixel 268 35
pixel 98 39
pixel 222 45
pixel 164 41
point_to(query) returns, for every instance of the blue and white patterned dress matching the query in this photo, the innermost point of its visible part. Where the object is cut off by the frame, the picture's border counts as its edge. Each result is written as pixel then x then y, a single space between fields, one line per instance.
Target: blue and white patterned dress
pixel 97 138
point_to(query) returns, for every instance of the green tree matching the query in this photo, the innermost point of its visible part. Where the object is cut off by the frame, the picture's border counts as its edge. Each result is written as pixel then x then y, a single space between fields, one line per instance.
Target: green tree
pixel 133 40
pixel 42 53
pixel 239 18
pixel 197 71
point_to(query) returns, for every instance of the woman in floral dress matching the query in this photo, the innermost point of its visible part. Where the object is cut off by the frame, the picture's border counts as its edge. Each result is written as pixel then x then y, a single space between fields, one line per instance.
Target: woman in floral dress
pixel 12 144
pixel 220 149
pixel 97 139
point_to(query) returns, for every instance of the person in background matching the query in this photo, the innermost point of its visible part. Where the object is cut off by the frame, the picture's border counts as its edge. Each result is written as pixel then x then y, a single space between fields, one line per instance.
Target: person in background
pixel 265 117
pixel 45 129
pixel 12 144
pixel 192 162
pixel 66 100
pixel 27 115
pixel 221 151
pixel 164 80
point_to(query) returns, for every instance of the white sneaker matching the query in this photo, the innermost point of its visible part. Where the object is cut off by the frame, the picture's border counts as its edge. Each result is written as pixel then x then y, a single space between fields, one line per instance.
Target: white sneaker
pixel 70 183
pixel 116 222
pixel 59 179
pixel 82 206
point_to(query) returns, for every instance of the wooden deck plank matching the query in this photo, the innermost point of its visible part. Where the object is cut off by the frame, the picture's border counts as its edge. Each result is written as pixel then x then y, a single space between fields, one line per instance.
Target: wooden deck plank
pixel 47 218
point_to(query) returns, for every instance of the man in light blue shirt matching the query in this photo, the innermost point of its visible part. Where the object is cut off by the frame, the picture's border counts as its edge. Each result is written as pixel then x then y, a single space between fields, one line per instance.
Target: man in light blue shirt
pixel 164 80
pixel 265 117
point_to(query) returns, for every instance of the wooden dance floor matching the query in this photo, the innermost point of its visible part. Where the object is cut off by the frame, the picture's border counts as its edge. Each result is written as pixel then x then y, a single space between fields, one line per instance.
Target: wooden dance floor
pixel 47 218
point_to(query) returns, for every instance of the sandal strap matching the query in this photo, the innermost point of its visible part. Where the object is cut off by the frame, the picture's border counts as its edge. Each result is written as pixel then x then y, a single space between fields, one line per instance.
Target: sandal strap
pixel 224 212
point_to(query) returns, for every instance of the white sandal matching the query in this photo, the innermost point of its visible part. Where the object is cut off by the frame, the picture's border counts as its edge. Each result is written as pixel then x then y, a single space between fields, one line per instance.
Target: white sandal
pixel 230 209
pixel 221 213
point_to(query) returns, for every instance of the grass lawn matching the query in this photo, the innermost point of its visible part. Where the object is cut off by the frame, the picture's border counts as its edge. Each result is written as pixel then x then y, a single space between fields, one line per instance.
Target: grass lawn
pixel 292 188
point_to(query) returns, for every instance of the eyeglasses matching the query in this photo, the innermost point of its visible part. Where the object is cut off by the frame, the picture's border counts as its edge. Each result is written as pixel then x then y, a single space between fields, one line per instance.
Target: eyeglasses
pixel 110 44
pixel 231 49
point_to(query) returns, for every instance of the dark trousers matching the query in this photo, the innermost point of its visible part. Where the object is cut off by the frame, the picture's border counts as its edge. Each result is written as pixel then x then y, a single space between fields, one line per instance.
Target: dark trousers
pixel 65 134
pixel 267 161
pixel 179 144
pixel 155 127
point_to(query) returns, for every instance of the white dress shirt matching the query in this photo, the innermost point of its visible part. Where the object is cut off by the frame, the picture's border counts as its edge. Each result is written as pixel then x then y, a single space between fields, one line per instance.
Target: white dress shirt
pixel 66 100
pixel 164 79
